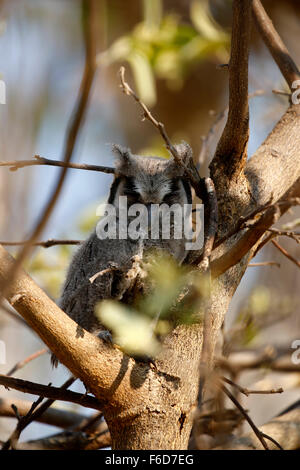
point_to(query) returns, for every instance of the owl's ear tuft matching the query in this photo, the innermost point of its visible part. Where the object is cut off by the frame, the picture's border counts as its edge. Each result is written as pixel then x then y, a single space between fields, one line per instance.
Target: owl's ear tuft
pixel 185 152
pixel 123 158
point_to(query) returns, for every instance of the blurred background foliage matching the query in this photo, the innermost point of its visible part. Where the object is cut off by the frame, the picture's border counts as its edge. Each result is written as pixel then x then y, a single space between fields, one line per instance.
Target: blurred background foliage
pixel 172 50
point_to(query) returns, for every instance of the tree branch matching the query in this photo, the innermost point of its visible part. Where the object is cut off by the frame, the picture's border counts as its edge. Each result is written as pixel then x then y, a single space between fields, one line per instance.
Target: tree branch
pixel 40 161
pixel 286 253
pixel 45 244
pixel 47 391
pixel 231 154
pixel 275 44
pixel 285 429
pixel 53 416
pixel 101 367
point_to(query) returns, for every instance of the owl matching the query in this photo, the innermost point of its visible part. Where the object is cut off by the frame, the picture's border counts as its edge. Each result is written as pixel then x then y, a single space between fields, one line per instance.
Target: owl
pixel 106 268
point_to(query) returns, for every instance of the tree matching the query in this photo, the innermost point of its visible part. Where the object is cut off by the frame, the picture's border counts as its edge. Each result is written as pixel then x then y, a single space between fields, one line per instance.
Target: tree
pixel 153 407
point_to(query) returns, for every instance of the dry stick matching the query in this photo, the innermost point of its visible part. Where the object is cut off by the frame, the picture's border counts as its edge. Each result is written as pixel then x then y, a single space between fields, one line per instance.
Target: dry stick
pixel 13 439
pixel 72 134
pixel 47 391
pixel 33 414
pixel 246 416
pixel 247 392
pixel 264 242
pixel 16 164
pixel 28 359
pixel 190 170
pixel 57 417
pixel 285 253
pixel 263 263
pixel 231 152
pixel 286 233
pixel 45 244
pixel 274 43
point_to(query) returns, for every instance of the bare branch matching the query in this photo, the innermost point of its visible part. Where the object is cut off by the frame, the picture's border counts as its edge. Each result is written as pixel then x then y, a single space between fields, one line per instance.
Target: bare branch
pixel 45 244
pixel 231 153
pixel 285 428
pixel 30 358
pixel 21 424
pixel 264 263
pixel 274 43
pixel 286 253
pixel 54 416
pixel 247 392
pixel 189 168
pixel 33 414
pixel 256 431
pixel 47 391
pixel 40 161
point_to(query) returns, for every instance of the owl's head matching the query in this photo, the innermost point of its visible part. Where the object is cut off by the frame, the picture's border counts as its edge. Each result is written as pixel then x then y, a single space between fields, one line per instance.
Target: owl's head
pixel 150 180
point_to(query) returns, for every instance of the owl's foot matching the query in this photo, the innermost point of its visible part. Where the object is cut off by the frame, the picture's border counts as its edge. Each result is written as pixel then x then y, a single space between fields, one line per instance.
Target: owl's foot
pixel 106 336
pixel 144 359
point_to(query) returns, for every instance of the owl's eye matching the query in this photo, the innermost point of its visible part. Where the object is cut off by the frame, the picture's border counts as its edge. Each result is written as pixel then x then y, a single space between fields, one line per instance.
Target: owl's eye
pixel 168 199
pixel 131 193
pixel 130 189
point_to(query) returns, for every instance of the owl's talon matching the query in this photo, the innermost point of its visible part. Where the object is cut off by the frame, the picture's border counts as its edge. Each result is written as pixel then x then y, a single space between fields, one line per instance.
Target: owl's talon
pixel 145 359
pixel 106 337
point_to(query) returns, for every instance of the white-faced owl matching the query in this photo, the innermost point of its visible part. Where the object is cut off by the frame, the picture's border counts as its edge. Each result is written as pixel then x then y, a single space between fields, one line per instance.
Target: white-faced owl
pixel 100 268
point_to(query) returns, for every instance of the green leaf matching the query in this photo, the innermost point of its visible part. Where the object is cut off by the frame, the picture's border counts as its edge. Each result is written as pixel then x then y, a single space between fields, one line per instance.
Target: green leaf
pixel 132 331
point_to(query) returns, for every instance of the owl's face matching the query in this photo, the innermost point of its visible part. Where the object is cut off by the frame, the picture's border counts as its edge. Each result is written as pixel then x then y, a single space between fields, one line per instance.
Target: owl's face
pixel 148 180
pixel 153 182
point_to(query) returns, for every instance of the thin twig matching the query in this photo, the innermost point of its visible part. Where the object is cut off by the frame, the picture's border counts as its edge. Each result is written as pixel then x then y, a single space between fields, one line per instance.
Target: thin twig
pixel 19 365
pixel 190 169
pixel 286 253
pixel 247 392
pixel 246 416
pixel 16 164
pixel 21 424
pixel 57 417
pixel 275 44
pixel 286 233
pixel 45 244
pixel 264 263
pixel 46 391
